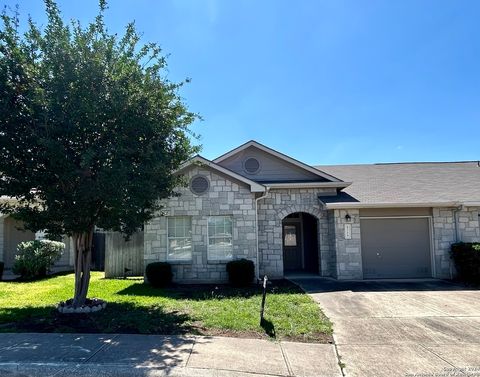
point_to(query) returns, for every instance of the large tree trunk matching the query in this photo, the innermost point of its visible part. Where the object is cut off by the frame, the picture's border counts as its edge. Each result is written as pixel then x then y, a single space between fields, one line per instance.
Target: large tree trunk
pixel 83 258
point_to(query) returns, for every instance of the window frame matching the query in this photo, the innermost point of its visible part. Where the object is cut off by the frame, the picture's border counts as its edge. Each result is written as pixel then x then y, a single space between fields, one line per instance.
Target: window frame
pixel 170 259
pixel 224 258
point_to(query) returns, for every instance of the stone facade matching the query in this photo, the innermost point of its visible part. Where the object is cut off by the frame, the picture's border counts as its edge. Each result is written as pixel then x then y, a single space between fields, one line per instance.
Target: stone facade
pixel 338 256
pixel 447 230
pixel 224 197
pixel 348 251
pixel 468 224
pixel 278 204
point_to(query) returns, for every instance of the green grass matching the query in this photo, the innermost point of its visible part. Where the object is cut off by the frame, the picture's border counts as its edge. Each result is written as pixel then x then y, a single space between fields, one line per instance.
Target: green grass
pixel 134 307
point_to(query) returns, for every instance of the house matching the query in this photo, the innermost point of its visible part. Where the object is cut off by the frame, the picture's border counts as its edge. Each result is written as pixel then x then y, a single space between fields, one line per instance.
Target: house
pixel 346 222
pixel 12 233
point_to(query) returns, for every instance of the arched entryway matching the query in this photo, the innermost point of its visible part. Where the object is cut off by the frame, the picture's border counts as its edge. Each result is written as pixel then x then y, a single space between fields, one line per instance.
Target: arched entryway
pixel 300 243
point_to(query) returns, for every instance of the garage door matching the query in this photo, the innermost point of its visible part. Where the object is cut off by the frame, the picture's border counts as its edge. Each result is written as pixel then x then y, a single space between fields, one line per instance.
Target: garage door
pixel 396 248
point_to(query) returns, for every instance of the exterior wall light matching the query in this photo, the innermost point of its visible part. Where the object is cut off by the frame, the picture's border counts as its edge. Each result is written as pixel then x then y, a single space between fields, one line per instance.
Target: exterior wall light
pixel 348 218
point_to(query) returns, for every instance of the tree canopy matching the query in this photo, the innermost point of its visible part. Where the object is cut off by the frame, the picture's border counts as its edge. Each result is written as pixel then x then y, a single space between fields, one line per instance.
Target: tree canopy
pixel 91 129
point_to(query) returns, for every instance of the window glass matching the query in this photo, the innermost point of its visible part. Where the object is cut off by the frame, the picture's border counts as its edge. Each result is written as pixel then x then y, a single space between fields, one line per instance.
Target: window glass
pixel 290 235
pixel 220 245
pixel 179 238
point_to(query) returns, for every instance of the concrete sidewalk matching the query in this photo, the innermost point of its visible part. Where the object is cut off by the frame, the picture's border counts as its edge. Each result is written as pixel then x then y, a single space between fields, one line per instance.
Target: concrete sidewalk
pixel 154 355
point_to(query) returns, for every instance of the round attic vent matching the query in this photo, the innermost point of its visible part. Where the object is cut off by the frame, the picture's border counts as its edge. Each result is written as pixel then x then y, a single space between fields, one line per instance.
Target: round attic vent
pixel 199 185
pixel 251 165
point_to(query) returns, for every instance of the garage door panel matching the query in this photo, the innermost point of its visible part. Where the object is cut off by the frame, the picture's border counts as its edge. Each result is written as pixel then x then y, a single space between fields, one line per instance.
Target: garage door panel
pixel 396 248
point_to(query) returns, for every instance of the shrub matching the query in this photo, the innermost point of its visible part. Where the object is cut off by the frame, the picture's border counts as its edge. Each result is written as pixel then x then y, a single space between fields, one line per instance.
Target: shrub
pixel 466 257
pixel 159 274
pixel 240 272
pixel 1 269
pixel 35 258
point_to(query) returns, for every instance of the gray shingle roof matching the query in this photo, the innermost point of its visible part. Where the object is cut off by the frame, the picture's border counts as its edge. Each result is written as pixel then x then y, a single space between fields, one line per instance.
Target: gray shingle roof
pixel 407 183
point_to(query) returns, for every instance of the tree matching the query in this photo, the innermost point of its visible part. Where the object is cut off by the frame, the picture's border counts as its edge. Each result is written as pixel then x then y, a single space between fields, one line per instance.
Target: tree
pixel 91 130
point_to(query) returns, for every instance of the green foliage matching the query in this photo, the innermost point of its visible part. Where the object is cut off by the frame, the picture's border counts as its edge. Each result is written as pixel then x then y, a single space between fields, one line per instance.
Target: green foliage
pixel 467 261
pixel 240 272
pixel 134 307
pixel 35 258
pixel 91 130
pixel 159 274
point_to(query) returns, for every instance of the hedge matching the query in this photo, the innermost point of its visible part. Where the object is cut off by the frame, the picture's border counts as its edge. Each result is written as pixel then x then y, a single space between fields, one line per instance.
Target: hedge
pixel 240 272
pixel 159 274
pixel 466 257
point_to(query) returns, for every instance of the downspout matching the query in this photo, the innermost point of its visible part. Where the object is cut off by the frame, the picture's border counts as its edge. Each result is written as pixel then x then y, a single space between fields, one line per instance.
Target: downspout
pixel 455 224
pixel 455 221
pixel 256 231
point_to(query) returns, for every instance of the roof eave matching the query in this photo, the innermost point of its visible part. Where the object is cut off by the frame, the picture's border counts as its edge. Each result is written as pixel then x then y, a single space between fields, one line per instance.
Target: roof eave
pixel 340 185
pixel 347 205
pixel 254 186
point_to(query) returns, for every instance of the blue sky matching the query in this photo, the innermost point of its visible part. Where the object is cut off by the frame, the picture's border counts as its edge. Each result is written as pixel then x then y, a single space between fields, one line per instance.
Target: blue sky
pixel 326 82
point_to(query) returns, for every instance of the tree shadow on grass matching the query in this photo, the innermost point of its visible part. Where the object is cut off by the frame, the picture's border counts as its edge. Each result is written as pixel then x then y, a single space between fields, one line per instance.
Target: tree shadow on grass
pixel 49 276
pixel 126 318
pixel 208 291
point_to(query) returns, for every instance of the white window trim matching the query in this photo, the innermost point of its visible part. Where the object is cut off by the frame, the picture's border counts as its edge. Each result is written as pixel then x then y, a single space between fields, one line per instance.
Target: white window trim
pixel 208 241
pixel 169 259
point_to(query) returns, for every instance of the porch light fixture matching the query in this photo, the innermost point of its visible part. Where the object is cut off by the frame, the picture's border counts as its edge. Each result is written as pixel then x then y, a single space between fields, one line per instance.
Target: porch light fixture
pixel 348 218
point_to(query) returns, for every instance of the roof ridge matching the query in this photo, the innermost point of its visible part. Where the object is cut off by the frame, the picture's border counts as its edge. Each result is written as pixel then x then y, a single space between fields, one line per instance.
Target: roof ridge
pixel 427 162
pixel 407 163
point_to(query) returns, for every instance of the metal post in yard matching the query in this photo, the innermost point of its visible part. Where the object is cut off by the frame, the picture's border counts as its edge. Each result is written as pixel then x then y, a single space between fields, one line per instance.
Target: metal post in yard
pixel 262 309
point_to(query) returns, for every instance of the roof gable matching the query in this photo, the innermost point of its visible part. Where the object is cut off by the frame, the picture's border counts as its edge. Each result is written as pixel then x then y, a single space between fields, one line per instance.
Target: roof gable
pixel 201 161
pixel 274 166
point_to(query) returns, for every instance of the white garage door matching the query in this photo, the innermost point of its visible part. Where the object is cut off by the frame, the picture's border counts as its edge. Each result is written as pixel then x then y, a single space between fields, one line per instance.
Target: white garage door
pixel 396 248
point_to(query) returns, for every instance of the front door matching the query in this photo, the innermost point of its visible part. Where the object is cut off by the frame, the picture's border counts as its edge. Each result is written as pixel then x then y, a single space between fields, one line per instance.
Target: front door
pixel 292 247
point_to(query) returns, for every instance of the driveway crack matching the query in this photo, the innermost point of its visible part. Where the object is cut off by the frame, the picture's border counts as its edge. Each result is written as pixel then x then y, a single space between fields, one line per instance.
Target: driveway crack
pixel 457 369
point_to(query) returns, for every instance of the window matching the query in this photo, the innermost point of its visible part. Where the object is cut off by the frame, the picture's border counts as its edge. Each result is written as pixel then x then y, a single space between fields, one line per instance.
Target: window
pixel 251 165
pixel 289 235
pixel 179 238
pixel 199 185
pixel 220 238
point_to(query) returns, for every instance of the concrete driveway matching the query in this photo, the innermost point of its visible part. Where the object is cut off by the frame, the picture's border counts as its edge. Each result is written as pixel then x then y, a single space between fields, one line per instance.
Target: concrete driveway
pixel 429 328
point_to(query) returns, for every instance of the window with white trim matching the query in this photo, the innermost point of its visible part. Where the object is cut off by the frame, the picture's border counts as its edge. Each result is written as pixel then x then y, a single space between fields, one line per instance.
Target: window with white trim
pixel 179 229
pixel 220 245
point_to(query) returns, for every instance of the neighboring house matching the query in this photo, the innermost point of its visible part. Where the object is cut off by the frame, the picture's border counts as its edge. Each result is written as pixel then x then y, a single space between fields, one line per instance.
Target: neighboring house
pixel 346 222
pixel 12 233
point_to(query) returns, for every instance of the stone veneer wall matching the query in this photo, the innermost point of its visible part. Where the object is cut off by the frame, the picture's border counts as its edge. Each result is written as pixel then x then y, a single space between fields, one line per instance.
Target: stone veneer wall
pixel 444 234
pixel 468 225
pixel 329 267
pixel 348 252
pixel 278 204
pixel 223 198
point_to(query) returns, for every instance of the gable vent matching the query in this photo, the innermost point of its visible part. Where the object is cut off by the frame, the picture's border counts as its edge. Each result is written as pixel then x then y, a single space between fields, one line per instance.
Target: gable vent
pixel 199 185
pixel 251 165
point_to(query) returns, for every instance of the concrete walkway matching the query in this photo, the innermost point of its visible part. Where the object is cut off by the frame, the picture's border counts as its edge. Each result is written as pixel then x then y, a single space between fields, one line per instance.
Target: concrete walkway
pixel 429 328
pixel 154 355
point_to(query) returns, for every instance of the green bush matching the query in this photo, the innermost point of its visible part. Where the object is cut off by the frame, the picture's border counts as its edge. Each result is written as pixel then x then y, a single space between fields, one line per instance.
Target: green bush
pixel 240 272
pixel 159 274
pixel 2 265
pixel 35 258
pixel 466 257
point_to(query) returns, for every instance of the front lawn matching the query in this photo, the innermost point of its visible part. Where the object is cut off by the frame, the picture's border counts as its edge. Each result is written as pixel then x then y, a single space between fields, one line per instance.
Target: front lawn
pixel 134 307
